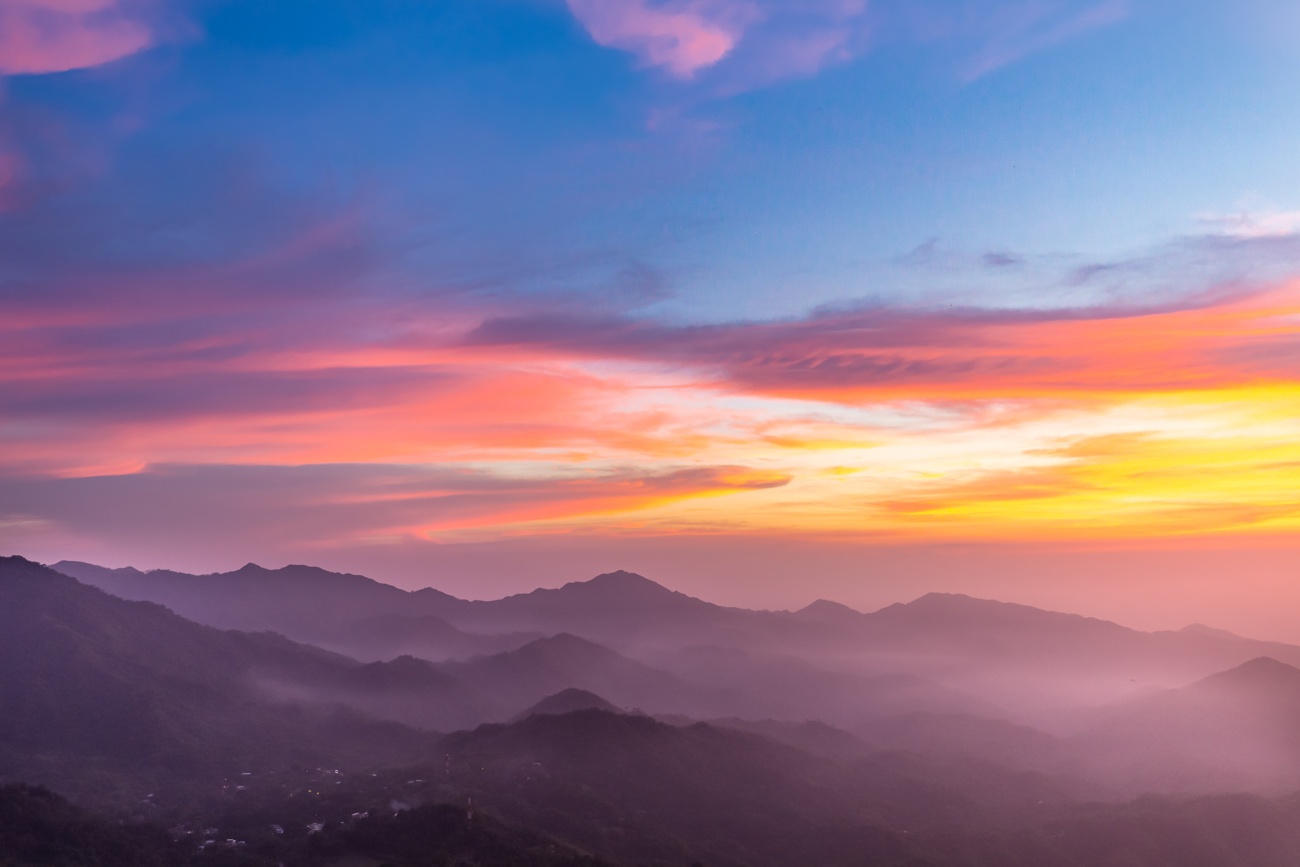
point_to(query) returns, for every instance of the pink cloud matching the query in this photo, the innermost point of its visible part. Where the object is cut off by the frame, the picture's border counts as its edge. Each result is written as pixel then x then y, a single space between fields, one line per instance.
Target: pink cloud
pixel 41 36
pixel 750 42
pixel 732 46
pixel 681 37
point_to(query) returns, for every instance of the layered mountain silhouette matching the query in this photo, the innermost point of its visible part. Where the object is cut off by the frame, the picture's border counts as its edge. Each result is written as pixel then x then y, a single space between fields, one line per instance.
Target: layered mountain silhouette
pixel 784 686
pixel 1235 730
pixel 94 685
pixel 620 718
pixel 1013 655
pixel 349 613
pixel 720 795
pixel 522 677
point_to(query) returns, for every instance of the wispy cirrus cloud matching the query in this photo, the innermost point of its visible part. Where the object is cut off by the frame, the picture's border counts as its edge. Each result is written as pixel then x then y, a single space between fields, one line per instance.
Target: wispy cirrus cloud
pixel 331 504
pixel 737 45
pixel 1265 221
pixel 1018 30
pixel 882 353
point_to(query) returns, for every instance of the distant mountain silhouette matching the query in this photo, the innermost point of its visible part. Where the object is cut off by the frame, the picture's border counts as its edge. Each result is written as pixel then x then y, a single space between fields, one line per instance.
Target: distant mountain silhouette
pixel 569 700
pixel 253 598
pixel 352 613
pixel 408 690
pixel 620 608
pixel 789 688
pixel 1235 730
pixel 826 611
pixel 385 636
pixel 523 677
pixel 1028 659
pixel 812 736
pixel 1262 678
pixel 1039 666
pixel 964 736
pixel 89 681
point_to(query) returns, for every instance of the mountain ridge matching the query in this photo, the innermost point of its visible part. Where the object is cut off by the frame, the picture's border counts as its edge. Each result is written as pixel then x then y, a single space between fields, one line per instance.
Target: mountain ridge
pixel 957 641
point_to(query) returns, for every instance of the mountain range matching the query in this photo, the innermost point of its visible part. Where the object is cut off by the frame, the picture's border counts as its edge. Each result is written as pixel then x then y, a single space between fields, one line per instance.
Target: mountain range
pixel 971 655
pixel 891 737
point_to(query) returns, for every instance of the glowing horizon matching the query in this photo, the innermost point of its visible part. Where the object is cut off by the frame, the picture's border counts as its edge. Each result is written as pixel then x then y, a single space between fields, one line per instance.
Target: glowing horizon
pixel 899 424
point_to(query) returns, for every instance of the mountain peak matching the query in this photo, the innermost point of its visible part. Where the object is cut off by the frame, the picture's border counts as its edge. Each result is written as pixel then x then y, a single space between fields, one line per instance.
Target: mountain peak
pixel 825 609
pixel 620 585
pixel 563 642
pixel 1210 631
pixel 77 569
pixel 936 599
pixel 623 579
pixel 1262 672
pixel 568 701
pixel 948 605
pixel 962 605
pixel 15 568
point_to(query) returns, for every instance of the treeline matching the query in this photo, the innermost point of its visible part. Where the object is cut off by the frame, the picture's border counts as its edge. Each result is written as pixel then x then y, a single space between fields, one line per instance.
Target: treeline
pixel 38 828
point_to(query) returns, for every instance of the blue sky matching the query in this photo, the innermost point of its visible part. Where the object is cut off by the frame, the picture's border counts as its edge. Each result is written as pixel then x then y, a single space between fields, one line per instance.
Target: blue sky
pixel 383 284
pixel 498 143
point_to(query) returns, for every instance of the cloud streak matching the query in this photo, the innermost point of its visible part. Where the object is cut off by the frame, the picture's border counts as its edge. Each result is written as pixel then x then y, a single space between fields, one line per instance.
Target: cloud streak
pixel 952 354
pixel 1024 29
pixel 732 46
pixel 327 505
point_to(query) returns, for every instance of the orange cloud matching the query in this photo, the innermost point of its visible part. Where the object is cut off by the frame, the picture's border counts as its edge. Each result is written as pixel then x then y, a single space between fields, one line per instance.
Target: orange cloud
pixel 985 424
pixel 954 355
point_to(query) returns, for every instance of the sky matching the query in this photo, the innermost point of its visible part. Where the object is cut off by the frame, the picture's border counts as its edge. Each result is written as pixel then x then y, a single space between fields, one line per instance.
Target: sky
pixel 768 300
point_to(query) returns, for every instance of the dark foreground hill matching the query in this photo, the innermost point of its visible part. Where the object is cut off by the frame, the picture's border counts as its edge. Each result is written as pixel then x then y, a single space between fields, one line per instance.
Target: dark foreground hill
pixel 39 829
pixel 633 790
pixel 631 787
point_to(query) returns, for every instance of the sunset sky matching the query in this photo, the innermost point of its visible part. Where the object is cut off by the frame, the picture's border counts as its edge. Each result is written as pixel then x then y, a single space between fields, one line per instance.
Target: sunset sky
pixel 766 299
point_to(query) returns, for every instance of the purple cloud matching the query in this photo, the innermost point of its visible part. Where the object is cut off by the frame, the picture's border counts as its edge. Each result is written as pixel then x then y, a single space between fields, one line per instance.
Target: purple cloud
pixel 44 36
pixel 740 43
pixel 731 46
pixel 328 503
